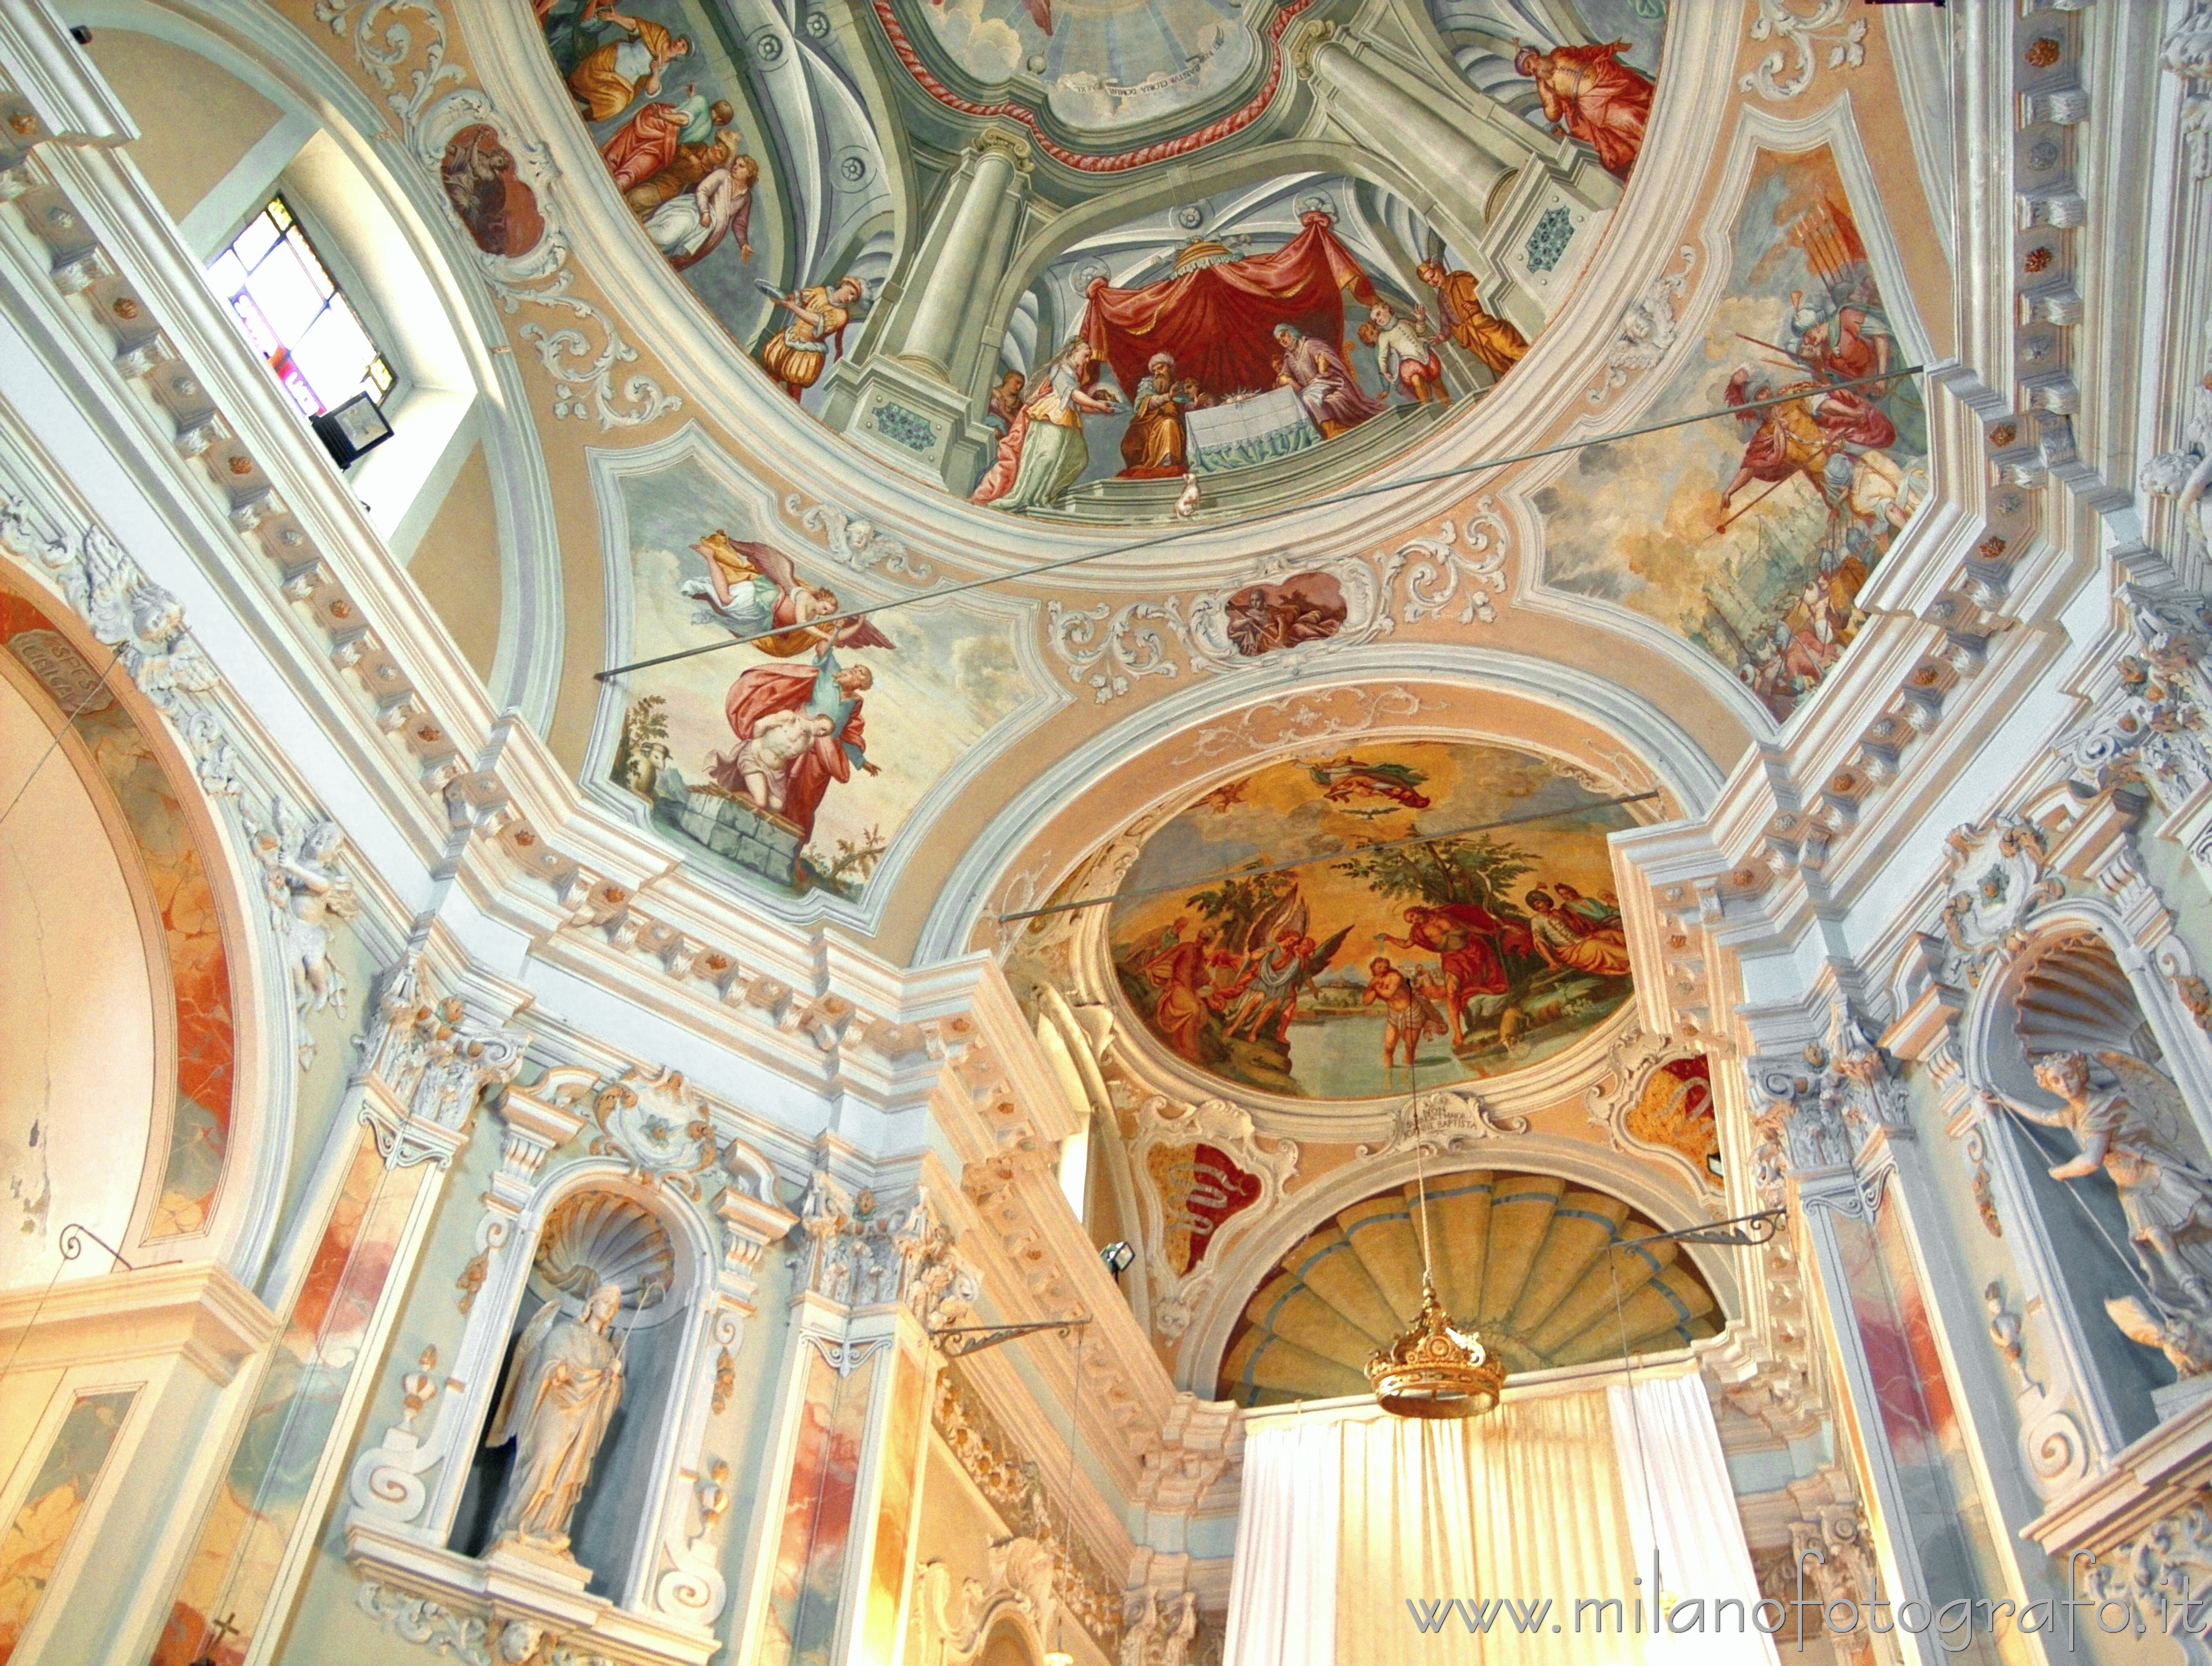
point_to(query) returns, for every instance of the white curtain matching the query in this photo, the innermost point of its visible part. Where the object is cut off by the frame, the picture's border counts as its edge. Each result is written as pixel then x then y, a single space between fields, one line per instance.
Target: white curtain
pixel 1282 1597
pixel 1523 1506
pixel 1346 1517
pixel 1349 1513
pixel 1681 1507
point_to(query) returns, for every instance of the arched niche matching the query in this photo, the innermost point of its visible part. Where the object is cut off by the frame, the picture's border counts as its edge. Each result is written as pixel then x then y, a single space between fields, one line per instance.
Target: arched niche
pixel 1545 1270
pixel 231 113
pixel 2067 989
pixel 596 1229
pixel 134 1100
pixel 1008 1644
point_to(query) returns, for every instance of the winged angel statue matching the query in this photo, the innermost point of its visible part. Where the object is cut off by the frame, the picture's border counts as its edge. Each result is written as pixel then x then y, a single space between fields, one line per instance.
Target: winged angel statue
pixel 307 896
pixel 2130 1121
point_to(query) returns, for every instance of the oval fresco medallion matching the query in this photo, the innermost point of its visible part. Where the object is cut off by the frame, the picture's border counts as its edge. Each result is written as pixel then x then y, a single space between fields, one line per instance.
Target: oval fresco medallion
pixel 1455 956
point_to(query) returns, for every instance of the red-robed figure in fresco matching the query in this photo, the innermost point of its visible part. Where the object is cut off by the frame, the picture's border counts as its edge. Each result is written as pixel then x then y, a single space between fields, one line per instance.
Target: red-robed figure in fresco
pixel 1470 943
pixel 832 690
pixel 1217 319
pixel 1590 95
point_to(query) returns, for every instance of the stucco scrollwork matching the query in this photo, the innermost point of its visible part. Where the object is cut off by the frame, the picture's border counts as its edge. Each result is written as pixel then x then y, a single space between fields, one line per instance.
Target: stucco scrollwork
pixel 1786 72
pixel 1463 564
pixel 2150 723
pixel 658 1124
pixel 859 543
pixel 1647 328
pixel 307 897
pixel 2187 53
pixel 1202 1173
pixel 2166 1571
pixel 859 1254
pixel 2003 868
pixel 402 46
pixel 1287 611
pixel 1822 1110
pixel 1443 1122
pixel 426 1624
pixel 429 1058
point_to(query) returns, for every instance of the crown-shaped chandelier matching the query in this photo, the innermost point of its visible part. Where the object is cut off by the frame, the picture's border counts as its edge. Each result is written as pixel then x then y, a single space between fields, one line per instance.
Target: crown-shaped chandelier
pixel 1432 1369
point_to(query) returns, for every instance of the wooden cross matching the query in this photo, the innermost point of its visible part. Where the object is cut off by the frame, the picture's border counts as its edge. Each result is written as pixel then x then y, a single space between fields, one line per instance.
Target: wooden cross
pixel 222 1629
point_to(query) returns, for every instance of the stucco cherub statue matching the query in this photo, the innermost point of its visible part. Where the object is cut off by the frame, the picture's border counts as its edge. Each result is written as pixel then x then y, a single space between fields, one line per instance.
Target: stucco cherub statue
pixel 2129 1120
pixel 308 896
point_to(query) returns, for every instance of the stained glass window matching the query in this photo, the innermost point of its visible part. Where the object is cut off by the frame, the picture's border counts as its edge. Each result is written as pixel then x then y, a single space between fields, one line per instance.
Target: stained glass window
pixel 294 313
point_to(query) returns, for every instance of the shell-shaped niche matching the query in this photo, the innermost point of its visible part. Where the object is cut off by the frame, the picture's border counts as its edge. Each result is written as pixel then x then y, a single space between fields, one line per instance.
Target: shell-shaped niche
pixel 2074 998
pixel 595 1238
pixel 1522 1258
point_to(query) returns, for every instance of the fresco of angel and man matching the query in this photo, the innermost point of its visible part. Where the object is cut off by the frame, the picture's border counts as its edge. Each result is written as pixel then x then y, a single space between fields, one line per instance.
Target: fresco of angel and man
pixel 791 756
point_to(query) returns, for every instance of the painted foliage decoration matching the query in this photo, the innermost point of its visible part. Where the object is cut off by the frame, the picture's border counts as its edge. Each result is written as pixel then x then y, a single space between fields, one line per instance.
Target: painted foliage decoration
pixel 32 1545
pixel 793 759
pixel 1753 538
pixel 197 1110
pixel 1458 956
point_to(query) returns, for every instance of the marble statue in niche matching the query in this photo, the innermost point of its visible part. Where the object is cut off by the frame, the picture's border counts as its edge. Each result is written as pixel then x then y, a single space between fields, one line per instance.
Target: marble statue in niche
pixel 2128 1118
pixel 562 1395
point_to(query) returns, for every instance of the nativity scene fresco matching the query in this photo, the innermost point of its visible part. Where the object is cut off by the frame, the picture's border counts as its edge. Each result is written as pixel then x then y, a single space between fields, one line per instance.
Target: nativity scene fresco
pixel 1754 539
pixel 1461 956
pixel 1247 346
pixel 792 757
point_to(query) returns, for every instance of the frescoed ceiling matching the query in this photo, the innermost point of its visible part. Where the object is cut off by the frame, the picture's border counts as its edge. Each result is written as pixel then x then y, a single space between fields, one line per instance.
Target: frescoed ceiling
pixel 899 215
pixel 1058 480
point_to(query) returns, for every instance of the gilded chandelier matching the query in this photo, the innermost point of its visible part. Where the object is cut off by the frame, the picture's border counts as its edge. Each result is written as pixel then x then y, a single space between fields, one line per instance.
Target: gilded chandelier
pixel 1432 1369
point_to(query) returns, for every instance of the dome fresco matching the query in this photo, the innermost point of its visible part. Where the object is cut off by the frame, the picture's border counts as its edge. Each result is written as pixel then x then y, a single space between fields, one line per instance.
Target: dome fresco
pixel 1052 335
pixel 1454 957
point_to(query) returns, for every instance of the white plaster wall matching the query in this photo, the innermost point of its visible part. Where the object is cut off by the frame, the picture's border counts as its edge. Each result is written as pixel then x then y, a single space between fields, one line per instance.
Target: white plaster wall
pixel 77 1035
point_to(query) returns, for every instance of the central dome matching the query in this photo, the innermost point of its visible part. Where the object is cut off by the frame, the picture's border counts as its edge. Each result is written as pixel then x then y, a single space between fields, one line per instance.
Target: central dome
pixel 977 238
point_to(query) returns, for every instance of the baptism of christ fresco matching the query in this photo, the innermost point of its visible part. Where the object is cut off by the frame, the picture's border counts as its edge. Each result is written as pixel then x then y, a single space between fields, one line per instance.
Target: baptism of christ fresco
pixel 1456 957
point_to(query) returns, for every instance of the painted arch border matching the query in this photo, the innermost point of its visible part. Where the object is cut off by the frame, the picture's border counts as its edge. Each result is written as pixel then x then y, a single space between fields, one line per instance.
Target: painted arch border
pixel 238 1223
pixel 1644 730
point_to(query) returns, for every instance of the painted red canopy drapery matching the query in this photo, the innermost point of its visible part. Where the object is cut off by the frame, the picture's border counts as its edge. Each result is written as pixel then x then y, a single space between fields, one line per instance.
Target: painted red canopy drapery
pixel 1218 321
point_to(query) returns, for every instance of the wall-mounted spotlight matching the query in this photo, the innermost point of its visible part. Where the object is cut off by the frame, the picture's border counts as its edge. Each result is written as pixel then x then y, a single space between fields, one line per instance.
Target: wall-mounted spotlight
pixel 1117 1256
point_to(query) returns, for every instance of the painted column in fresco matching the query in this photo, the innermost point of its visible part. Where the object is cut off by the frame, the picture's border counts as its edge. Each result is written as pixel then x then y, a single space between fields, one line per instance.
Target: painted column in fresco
pixel 426 1062
pixel 905 389
pixel 1461 161
pixel 834 1532
pixel 969 252
pixel 1932 1538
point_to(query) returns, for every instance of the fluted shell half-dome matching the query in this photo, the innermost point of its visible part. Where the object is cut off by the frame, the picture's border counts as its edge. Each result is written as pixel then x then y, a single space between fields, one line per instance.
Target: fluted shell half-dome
pixel 1521 1258
pixel 594 1237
